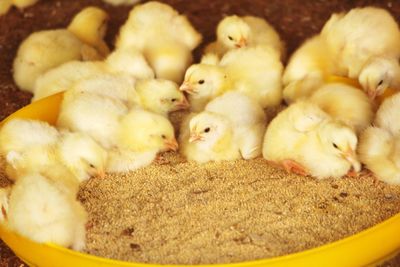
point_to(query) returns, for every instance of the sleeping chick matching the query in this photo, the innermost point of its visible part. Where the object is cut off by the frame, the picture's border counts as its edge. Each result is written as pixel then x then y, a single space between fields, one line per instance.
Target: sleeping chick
pixel 366 45
pixel 237 32
pixel 379 150
pixel 140 136
pixel 165 37
pixel 346 104
pixel 388 114
pixel 44 50
pixel 255 71
pixel 41 211
pixel 127 61
pixel 305 140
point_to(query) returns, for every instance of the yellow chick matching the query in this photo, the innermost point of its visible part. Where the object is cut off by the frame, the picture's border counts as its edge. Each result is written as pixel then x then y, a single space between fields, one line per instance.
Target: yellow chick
pixel 307 69
pixel 140 136
pixel 305 140
pixel 346 104
pixel 237 32
pixel 388 114
pixel 44 50
pixel 366 45
pixel 5 5
pixel 123 61
pixel 255 71
pixel 43 212
pixel 379 150
pixel 163 35
pixel 121 2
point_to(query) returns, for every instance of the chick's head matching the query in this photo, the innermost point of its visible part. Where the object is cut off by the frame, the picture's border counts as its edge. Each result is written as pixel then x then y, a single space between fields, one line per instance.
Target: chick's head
pixel 142 130
pixel 202 80
pixel 233 32
pixel 82 155
pixel 340 140
pixel 378 74
pixel 208 129
pixel 161 96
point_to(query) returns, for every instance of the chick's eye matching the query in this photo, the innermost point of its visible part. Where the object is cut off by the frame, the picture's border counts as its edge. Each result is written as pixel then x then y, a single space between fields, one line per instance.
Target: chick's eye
pixel 206 130
pixel 230 38
pixel 91 165
pixel 201 81
pixel 173 99
pixel 380 82
pixel 335 145
pixel 163 136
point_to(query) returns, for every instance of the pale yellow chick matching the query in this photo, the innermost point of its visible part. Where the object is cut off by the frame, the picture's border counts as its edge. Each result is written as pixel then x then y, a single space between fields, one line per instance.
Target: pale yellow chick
pixel 255 71
pixel 42 211
pixel 346 104
pixel 379 150
pixel 163 35
pixel 388 114
pixel 44 50
pixel 305 140
pixel 236 32
pixel 366 45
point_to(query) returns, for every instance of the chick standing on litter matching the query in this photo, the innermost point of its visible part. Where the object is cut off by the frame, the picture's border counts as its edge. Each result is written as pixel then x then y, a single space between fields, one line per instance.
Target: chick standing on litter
pixel 236 32
pixel 5 5
pixel 379 150
pixel 255 71
pixel 164 36
pixel 230 127
pixel 44 50
pixel 346 104
pixel 366 45
pixel 123 61
pixel 305 140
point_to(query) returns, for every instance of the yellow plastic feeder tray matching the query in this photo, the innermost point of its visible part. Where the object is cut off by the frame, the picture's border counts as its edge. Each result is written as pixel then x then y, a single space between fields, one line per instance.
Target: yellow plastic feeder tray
pixel 367 248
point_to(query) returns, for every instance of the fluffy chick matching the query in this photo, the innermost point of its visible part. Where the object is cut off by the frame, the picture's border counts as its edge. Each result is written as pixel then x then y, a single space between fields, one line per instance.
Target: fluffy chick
pixel 255 71
pixel 345 103
pixel 379 150
pixel 366 45
pixel 164 36
pixel 44 50
pixel 304 139
pixel 40 210
pixel 140 136
pixel 237 32
pixel 388 114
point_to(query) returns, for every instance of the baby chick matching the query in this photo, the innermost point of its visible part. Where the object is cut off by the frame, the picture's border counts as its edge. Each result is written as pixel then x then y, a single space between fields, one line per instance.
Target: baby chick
pixel 255 71
pixel 45 50
pixel 165 37
pixel 345 103
pixel 366 45
pixel 231 127
pixel 42 211
pixel 5 5
pixel 237 32
pixel 388 114
pixel 305 140
pixel 379 150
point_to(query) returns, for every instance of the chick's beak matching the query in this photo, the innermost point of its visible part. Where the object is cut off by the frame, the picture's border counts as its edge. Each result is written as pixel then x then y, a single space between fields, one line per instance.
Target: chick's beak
pixel 171 144
pixel 372 94
pixel 183 104
pixel 242 43
pixel 101 173
pixel 187 87
pixel 351 157
pixel 195 137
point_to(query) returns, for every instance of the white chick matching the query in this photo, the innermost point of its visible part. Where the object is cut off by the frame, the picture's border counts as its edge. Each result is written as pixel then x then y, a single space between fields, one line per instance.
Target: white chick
pixel 307 69
pixel 42 211
pixel 127 61
pixel 361 37
pixel 165 37
pixel 208 137
pixel 305 140
pixel 141 135
pixel 121 2
pixel 44 50
pixel 255 71
pixel 93 114
pixel 379 150
pixel 346 104
pixel 160 96
pixel 388 114
pixel 237 32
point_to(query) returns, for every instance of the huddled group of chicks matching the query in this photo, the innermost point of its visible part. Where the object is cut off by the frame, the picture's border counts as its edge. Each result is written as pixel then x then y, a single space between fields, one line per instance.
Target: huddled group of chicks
pixel 114 113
